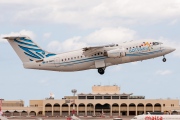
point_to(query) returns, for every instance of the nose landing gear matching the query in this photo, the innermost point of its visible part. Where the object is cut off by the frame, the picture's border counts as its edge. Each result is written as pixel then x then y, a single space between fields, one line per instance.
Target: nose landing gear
pixel 164 59
pixel 101 71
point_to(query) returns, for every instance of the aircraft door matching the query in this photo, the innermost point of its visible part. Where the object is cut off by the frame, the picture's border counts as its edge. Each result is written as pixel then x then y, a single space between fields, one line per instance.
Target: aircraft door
pixel 57 62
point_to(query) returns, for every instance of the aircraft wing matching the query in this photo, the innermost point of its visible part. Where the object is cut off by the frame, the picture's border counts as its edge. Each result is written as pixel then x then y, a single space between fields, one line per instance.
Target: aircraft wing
pixel 88 51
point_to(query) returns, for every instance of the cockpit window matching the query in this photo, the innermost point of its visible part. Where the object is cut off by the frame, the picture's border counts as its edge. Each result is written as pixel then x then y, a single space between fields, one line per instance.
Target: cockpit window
pixel 155 43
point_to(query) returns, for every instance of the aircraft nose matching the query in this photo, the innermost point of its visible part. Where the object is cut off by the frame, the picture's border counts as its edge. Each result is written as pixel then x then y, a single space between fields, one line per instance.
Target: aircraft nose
pixel 173 49
pixel 170 49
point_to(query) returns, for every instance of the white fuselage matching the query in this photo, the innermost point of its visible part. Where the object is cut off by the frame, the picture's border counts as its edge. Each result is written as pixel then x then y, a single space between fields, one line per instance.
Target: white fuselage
pixel 77 60
pixel 156 117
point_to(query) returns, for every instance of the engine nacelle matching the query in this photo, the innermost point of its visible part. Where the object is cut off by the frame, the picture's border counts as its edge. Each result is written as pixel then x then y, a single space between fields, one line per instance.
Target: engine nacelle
pixel 116 53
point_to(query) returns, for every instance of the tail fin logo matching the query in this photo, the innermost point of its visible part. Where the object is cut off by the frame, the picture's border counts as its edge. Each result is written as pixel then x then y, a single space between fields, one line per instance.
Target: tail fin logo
pixel 31 49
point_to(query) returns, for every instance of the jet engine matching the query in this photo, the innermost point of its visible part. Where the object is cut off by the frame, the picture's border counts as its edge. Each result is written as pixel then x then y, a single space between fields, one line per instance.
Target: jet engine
pixel 116 53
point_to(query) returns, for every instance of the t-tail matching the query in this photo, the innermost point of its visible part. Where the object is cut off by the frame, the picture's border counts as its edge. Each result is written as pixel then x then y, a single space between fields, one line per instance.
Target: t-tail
pixel 26 49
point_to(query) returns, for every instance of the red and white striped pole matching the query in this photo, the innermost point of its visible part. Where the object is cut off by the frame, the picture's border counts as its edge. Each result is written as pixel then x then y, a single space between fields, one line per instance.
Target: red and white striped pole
pixel 0 107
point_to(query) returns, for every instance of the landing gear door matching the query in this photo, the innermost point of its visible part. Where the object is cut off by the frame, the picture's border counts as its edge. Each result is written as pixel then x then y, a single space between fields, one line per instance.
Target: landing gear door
pixel 57 62
pixel 100 64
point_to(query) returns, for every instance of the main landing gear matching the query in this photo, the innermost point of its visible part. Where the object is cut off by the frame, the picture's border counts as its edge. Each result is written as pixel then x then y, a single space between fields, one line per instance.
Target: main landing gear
pixel 101 71
pixel 164 59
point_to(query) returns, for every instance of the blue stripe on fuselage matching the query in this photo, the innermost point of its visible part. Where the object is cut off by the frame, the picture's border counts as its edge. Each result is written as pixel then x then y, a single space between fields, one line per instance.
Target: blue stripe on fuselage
pixel 82 60
pixel 101 58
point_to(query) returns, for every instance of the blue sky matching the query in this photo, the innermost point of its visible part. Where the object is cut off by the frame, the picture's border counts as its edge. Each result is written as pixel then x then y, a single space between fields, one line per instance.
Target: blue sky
pixel 64 25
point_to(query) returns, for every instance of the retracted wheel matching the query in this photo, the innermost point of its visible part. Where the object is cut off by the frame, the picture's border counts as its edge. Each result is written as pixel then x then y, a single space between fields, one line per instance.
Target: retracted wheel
pixel 164 59
pixel 101 71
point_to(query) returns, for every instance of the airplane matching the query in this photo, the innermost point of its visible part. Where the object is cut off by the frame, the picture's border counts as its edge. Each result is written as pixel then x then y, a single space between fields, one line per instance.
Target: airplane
pixel 95 57
pixel 156 117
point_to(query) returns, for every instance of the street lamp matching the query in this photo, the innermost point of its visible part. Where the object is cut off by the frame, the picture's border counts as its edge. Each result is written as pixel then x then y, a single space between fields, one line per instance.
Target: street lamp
pixel 74 91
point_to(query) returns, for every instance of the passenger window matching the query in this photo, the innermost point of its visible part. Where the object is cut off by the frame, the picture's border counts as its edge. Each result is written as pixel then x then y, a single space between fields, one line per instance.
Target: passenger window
pixel 68 58
pixel 78 57
pixel 95 54
pixel 101 53
pixel 81 56
pixel 127 48
pixel 98 53
pixel 65 59
pixel 74 57
pixel 62 59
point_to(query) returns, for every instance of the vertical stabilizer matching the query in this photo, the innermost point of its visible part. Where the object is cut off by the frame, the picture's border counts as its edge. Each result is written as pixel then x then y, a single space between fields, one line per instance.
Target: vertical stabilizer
pixel 26 49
